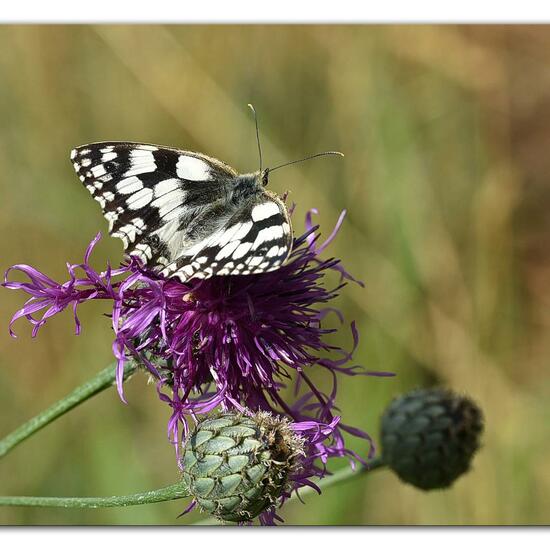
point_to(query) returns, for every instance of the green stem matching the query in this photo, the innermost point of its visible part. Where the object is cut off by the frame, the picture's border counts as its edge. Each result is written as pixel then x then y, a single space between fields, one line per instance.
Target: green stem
pixel 103 380
pixel 342 475
pixel 172 492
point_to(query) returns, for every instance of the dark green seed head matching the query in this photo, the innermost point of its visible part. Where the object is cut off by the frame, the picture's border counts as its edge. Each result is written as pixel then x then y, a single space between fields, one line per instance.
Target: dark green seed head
pixel 430 436
pixel 236 466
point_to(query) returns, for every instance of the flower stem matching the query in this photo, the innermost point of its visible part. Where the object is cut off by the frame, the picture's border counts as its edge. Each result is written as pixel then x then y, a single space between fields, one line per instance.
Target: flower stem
pixel 103 380
pixel 342 475
pixel 172 492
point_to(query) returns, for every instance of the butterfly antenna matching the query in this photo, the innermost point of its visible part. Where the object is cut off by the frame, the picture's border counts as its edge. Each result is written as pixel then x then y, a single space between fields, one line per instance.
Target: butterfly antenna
pixel 308 158
pixel 257 133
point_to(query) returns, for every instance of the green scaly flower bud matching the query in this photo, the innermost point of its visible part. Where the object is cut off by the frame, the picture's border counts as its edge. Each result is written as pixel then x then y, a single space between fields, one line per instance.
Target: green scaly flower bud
pixel 430 436
pixel 237 466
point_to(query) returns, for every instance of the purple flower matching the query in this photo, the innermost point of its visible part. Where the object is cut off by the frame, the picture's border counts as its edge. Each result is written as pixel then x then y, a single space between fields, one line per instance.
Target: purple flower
pixel 228 342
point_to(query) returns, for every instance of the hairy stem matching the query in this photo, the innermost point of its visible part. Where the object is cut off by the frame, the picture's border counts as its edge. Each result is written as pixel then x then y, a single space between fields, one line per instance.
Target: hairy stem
pixel 172 492
pixel 342 475
pixel 103 380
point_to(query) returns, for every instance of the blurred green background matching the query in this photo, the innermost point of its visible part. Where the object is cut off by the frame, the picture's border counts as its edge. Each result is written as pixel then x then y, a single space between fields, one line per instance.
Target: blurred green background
pixel 446 131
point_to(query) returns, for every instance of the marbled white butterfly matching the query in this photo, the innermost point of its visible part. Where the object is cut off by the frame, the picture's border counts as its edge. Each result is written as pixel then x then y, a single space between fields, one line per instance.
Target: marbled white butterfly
pixel 186 214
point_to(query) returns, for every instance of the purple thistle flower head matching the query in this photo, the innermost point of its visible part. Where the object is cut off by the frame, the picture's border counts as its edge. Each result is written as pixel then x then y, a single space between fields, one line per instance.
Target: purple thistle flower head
pixel 228 341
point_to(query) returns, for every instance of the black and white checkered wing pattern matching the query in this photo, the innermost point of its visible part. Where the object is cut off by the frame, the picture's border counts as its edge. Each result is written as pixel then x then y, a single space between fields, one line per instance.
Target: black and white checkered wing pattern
pixel 185 214
pixel 158 200
pixel 256 239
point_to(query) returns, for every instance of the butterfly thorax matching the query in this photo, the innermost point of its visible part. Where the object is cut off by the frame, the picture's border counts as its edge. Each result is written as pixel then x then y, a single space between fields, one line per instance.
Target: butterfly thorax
pixel 246 185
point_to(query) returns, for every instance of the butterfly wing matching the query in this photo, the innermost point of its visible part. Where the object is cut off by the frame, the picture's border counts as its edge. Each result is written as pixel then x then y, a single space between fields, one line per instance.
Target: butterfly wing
pixel 256 239
pixel 160 201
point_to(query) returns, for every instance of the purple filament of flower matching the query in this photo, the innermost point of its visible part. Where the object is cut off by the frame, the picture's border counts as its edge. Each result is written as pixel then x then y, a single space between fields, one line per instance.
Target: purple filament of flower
pixel 228 342
pixel 321 442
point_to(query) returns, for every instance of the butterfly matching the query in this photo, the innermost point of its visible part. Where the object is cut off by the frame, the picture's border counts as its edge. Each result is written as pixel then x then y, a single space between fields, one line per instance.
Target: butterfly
pixel 185 214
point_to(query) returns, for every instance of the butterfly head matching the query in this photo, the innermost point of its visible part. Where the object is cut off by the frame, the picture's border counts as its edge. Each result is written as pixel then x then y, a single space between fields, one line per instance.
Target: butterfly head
pixel 264 175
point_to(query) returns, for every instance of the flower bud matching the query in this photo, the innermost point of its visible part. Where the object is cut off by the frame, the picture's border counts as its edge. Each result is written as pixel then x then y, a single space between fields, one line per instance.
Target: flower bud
pixel 237 466
pixel 429 437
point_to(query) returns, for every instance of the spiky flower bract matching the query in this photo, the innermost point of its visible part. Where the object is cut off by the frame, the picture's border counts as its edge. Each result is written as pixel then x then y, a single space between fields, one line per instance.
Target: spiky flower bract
pixel 239 466
pixel 430 436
